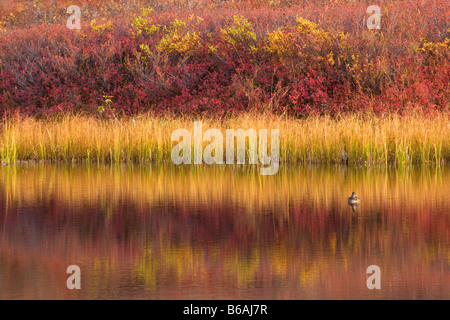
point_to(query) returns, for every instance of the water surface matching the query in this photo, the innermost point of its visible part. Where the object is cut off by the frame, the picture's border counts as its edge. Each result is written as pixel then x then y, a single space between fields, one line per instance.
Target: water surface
pixel 223 232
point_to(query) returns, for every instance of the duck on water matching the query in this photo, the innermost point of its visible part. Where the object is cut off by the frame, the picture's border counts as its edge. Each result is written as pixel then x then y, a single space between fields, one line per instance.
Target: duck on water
pixel 353 199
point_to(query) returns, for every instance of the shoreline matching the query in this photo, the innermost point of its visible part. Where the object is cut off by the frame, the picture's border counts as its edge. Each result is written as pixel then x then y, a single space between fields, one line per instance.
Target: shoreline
pixel 348 140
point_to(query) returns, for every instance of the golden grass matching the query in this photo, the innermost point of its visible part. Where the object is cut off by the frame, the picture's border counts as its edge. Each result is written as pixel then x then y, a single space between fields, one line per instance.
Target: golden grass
pixel 352 139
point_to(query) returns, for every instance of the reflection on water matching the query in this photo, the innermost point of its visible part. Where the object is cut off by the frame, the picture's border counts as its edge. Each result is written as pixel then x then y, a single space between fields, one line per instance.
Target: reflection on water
pixel 223 232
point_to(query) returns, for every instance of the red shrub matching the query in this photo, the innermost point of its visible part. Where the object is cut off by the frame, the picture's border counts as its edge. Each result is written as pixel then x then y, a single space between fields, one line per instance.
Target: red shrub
pixel 224 63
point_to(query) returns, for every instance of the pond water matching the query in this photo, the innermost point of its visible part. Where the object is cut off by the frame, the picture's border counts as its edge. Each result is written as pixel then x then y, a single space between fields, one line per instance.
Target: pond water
pixel 223 232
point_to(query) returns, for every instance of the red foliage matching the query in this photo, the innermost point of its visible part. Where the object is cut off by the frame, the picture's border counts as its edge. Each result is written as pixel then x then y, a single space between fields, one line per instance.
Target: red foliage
pixel 46 68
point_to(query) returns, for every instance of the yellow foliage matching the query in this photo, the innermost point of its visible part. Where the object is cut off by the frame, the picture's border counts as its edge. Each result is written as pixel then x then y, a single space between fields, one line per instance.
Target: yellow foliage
pixel 330 59
pixel 436 51
pixel 183 44
pixel 146 11
pixel 145 48
pixel 301 46
pixel 178 39
pixel 195 19
pixel 178 25
pixel 212 48
pixel 279 42
pixel 143 24
pixel 240 33
pixel 305 25
pixel 101 27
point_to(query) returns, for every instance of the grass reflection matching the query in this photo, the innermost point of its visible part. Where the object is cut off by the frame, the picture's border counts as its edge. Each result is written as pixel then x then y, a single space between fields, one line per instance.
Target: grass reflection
pixel 227 232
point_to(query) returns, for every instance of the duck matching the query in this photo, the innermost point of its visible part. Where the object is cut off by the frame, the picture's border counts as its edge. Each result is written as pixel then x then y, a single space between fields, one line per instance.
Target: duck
pixel 353 199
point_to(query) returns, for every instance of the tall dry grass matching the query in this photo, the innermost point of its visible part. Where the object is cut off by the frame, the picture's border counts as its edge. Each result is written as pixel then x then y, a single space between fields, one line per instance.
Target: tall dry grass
pixel 348 139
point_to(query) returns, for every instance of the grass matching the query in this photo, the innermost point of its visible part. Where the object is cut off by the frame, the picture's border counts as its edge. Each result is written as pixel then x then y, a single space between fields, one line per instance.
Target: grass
pixel 348 139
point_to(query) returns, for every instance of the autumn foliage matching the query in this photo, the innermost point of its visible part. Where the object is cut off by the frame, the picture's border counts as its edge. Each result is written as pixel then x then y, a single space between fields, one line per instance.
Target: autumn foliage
pixel 223 57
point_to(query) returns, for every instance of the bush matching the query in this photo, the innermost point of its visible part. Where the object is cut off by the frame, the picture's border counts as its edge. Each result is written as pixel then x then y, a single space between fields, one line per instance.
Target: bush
pixel 253 56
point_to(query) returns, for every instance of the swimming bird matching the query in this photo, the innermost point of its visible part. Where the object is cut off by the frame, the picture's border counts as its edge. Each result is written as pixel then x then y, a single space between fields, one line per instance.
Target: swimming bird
pixel 353 199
